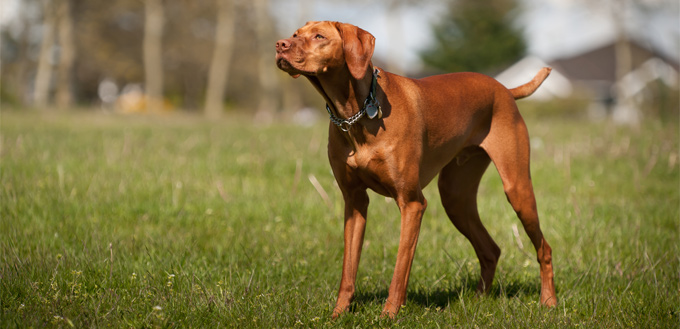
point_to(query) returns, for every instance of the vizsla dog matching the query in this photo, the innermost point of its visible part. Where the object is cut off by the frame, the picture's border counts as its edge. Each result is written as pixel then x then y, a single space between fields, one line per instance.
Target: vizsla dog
pixel 394 135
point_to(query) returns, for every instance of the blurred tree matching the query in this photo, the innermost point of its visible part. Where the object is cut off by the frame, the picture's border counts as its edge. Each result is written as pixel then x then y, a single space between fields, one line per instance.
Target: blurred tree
pixel 43 75
pixel 153 54
pixel 56 46
pixel 67 54
pixel 18 54
pixel 221 60
pixel 265 68
pixel 476 36
pixel 108 37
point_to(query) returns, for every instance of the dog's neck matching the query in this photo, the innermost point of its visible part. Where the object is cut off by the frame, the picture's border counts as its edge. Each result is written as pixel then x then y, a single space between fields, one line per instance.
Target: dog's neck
pixel 344 94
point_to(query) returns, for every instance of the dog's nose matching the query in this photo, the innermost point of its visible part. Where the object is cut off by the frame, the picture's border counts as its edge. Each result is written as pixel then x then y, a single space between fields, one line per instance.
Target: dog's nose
pixel 282 45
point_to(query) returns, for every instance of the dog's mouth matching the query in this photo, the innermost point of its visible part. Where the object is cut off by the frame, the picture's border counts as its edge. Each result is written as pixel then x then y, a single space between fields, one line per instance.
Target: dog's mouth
pixel 285 65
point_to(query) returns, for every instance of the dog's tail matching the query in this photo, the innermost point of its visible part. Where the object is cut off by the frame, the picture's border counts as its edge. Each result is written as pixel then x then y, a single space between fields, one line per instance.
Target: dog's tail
pixel 528 88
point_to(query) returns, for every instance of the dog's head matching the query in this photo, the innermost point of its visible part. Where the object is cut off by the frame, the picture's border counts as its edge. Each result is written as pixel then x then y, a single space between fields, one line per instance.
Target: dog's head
pixel 321 47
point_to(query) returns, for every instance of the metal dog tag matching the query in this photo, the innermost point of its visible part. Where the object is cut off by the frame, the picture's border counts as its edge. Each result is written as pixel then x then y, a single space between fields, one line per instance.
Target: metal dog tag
pixel 373 110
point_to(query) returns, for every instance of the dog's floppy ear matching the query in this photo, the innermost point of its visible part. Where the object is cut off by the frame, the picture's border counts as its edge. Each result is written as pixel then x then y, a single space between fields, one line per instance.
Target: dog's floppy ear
pixel 358 46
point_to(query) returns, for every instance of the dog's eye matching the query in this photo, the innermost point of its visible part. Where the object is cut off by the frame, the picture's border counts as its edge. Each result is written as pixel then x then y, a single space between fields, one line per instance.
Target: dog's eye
pixel 294 35
pixel 319 37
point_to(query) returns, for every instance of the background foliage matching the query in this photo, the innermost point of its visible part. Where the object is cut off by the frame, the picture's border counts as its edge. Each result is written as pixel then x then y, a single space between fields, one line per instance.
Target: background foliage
pixel 476 36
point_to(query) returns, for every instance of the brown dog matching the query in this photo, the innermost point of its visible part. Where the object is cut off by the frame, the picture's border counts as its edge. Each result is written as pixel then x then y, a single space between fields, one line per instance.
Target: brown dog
pixel 394 135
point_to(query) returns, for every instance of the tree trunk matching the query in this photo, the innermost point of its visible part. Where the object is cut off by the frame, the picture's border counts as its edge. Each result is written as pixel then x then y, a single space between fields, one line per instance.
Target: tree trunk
pixel 291 94
pixel 266 73
pixel 43 76
pixel 218 76
pixel 64 94
pixel 153 63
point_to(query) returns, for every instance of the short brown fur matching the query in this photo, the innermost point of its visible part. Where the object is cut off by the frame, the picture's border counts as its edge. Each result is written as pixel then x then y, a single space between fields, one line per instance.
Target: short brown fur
pixel 453 125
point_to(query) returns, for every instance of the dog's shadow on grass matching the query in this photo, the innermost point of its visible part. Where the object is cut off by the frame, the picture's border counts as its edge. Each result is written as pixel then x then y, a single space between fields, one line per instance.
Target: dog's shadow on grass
pixel 442 297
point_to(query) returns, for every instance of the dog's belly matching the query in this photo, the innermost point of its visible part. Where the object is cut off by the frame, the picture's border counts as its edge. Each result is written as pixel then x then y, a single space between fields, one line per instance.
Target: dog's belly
pixel 458 147
pixel 433 162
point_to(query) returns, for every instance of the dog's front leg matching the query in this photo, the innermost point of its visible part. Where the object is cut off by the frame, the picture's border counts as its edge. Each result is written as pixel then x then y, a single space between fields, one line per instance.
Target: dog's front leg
pixel 356 206
pixel 412 209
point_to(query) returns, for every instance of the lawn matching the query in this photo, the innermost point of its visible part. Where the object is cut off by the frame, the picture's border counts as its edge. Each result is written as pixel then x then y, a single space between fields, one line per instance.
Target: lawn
pixel 175 221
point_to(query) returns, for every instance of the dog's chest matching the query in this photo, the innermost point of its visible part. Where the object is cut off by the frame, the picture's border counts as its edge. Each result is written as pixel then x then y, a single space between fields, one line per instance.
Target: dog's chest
pixel 372 166
pixel 366 158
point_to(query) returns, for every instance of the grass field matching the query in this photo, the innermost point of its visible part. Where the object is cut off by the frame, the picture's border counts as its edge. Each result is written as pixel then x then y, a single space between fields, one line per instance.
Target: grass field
pixel 135 221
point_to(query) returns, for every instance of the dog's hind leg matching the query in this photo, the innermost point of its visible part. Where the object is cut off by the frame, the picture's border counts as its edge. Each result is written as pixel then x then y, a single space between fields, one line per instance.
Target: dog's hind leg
pixel 508 146
pixel 458 183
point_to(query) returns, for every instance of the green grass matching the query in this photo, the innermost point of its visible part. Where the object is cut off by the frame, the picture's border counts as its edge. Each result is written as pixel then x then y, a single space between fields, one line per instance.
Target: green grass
pixel 116 221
